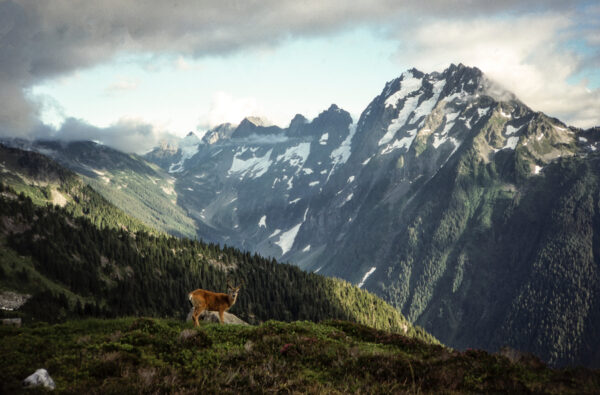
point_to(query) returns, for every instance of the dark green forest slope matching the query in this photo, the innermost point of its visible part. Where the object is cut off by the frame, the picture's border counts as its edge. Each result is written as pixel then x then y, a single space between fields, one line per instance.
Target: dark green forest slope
pixel 505 259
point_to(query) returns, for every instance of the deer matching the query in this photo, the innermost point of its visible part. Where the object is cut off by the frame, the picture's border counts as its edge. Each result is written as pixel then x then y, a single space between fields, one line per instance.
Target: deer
pixel 212 301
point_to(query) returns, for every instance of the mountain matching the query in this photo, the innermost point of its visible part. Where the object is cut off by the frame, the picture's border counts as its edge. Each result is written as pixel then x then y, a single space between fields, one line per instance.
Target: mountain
pixel 449 197
pixel 65 263
pixel 473 214
pixel 140 188
pixel 45 182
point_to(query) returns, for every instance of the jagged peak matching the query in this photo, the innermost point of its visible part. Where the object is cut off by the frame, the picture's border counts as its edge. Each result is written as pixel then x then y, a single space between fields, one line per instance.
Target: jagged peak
pixel 298 119
pixel 218 133
pixel 257 121
pixel 459 79
pixel 190 138
pixel 255 125
pixel 297 123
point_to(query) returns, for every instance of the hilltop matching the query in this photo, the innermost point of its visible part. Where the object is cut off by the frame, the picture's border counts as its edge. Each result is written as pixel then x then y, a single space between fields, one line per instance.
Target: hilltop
pixel 142 355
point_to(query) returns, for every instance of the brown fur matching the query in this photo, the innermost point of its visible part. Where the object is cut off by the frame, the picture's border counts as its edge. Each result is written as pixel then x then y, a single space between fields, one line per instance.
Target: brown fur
pixel 212 301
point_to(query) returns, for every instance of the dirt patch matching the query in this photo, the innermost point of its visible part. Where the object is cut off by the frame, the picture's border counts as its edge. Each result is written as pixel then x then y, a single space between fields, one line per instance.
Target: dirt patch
pixel 58 198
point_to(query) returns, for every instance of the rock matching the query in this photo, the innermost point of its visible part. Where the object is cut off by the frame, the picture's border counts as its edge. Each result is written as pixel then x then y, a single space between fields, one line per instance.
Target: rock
pixel 213 316
pixel 11 300
pixel 40 378
pixel 12 321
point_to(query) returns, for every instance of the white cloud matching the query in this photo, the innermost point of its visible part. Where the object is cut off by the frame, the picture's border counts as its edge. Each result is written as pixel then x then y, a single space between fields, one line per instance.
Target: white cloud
pixel 122 85
pixel 128 135
pixel 224 108
pixel 526 55
pixel 184 64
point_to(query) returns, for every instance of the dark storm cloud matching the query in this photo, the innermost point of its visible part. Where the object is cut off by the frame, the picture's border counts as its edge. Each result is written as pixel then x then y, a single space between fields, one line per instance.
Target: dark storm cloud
pixel 41 39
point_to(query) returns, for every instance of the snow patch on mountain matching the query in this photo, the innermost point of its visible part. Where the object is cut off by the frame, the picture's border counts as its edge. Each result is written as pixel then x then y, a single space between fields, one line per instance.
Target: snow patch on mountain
pixel 296 155
pixel 189 147
pixel 262 223
pixel 408 85
pixel 404 142
pixel 286 240
pixel 410 105
pixel 427 106
pixel 441 137
pixel 511 142
pixel 324 138
pixel 253 167
pixel 482 112
pixel 461 95
pixel 512 130
pixel 366 276
pixel 341 154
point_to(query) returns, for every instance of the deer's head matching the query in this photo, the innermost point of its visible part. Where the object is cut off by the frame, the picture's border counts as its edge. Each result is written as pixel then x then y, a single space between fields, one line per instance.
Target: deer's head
pixel 233 291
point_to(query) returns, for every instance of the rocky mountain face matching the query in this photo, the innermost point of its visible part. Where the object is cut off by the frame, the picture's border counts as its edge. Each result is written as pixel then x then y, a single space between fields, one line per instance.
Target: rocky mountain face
pixel 473 214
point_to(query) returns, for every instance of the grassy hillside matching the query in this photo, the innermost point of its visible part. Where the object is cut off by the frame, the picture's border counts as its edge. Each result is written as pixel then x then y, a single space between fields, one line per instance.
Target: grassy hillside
pixel 139 188
pixel 141 355
pixel 47 183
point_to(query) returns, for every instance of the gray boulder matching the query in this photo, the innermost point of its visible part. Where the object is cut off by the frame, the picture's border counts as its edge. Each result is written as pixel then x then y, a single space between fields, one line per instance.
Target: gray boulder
pixel 213 316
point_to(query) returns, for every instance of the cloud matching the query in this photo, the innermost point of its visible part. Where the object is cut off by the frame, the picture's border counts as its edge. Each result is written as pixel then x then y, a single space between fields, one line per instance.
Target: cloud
pixel 224 108
pixel 43 39
pixel 127 135
pixel 526 55
pixel 186 65
pixel 122 85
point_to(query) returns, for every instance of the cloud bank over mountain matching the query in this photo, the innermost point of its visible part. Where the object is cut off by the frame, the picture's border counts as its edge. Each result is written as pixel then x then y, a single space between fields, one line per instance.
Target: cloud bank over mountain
pixel 534 48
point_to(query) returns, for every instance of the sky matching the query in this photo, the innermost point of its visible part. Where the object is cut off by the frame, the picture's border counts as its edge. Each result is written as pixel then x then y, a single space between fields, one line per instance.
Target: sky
pixel 131 73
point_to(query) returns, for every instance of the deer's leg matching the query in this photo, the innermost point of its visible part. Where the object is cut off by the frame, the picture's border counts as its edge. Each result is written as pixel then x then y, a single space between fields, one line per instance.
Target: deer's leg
pixel 197 311
pixel 221 315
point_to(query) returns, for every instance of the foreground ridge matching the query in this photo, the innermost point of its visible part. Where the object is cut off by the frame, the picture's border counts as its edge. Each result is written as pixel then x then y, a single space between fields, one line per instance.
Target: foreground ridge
pixel 154 355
